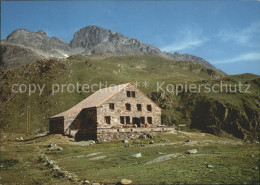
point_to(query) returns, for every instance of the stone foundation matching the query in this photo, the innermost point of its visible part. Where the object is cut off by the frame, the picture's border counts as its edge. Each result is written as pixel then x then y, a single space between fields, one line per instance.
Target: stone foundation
pixel 110 134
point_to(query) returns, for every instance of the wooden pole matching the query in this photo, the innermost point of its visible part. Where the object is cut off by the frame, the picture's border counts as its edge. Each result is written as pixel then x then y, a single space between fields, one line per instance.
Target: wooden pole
pixel 28 119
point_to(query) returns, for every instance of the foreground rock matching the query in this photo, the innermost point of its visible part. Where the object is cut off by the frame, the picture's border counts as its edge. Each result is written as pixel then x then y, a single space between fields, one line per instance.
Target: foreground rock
pixel 192 151
pixel 54 147
pixel 19 139
pixel 125 181
pixel 164 158
pixel 137 155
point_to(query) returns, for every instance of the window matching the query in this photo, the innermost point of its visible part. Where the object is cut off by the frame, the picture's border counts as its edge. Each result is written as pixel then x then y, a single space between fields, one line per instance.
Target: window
pixel 133 94
pixel 128 106
pixel 107 119
pixel 128 93
pixel 150 120
pixel 139 107
pixel 122 119
pixel 111 106
pixel 142 120
pixel 149 107
pixel 127 120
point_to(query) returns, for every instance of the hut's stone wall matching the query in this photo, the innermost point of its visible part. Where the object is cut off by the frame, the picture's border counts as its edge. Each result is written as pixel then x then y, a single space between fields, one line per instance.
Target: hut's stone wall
pixel 110 134
pixel 119 100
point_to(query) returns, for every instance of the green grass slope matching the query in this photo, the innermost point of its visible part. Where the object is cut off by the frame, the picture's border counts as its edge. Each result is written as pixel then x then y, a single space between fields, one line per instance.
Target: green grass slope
pixel 219 113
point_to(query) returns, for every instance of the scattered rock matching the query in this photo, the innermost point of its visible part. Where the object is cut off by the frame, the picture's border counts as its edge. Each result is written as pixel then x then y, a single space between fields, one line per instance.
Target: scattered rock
pixel 56 167
pixel 255 168
pixel 151 142
pixel 97 158
pixel 192 151
pixel 85 182
pixel 137 155
pixel 149 136
pixel 125 141
pixel 188 141
pixel 252 155
pixel 165 139
pixel 125 181
pixel 50 145
pixel 19 139
pixel 142 136
pixel 54 147
pixel 136 141
pixel 164 158
pixel 95 183
pixel 209 166
pixel 83 143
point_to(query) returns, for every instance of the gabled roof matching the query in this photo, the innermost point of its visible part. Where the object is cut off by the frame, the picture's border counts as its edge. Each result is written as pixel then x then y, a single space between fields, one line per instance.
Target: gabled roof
pixel 94 100
pixel 97 99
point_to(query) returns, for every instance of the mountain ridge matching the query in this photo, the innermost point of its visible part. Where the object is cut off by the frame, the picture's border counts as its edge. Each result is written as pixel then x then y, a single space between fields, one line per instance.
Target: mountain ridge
pixel 88 40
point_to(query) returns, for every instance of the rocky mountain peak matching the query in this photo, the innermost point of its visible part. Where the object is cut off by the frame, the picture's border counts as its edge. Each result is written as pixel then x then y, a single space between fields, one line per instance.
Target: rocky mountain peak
pixel 90 36
pixel 97 40
pixel 42 33
pixel 40 43
pixel 88 41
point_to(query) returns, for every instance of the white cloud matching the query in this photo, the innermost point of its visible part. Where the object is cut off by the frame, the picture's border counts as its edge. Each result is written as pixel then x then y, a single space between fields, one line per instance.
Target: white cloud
pixel 187 38
pixel 245 36
pixel 245 57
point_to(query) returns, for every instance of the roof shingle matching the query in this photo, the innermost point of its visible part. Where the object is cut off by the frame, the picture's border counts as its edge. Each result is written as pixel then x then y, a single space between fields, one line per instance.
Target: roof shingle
pixel 94 100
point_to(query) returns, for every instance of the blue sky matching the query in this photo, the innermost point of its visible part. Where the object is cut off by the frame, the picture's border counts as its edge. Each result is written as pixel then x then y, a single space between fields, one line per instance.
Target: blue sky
pixel 226 33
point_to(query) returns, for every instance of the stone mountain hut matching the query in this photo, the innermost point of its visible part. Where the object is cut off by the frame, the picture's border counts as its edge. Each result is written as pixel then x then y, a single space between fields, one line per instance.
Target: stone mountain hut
pixel 117 112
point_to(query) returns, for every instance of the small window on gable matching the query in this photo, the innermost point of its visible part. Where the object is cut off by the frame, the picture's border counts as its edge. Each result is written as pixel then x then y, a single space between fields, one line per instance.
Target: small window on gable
pixel 122 119
pixel 149 107
pixel 127 119
pixel 107 119
pixel 128 106
pixel 111 106
pixel 139 107
pixel 133 94
pixel 128 93
pixel 150 120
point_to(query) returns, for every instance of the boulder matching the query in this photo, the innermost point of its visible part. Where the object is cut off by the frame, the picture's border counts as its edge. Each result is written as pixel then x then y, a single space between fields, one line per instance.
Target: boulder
pixel 137 155
pixel 165 139
pixel 85 182
pixel 192 151
pixel 54 147
pixel 125 141
pixel 19 139
pixel 125 181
